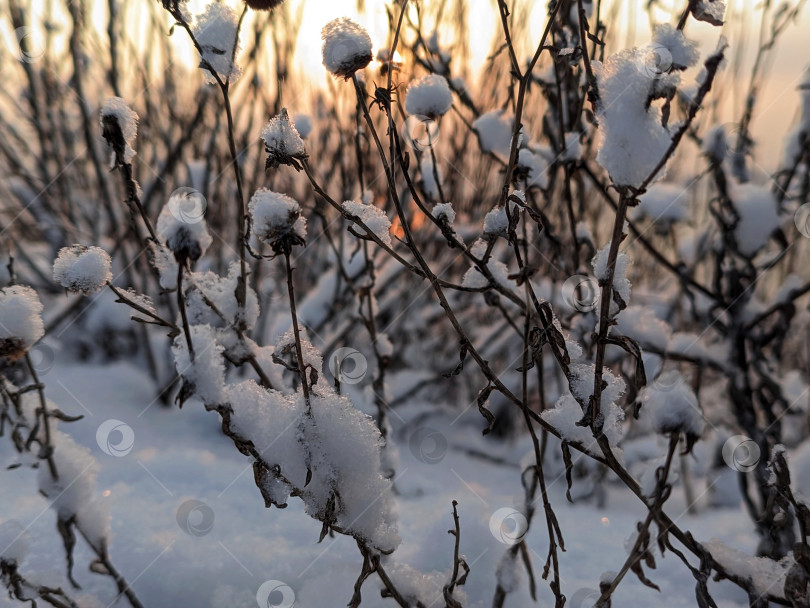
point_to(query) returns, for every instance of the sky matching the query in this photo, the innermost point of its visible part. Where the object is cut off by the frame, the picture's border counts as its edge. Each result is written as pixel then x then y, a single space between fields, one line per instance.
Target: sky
pixel 777 108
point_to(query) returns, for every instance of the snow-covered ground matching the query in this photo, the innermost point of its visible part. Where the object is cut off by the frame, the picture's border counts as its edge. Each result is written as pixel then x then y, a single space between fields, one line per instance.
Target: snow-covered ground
pixel 181 455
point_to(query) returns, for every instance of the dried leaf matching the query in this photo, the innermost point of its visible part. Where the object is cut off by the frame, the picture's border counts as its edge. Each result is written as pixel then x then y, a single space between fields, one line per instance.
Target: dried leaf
pixel 483 395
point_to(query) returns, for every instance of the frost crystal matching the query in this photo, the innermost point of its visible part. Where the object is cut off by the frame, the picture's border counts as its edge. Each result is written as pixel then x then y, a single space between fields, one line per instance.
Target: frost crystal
pixel 119 127
pixel 81 269
pixel 20 321
pixel 216 31
pixel 277 220
pixel 346 47
pixel 283 142
pixel 372 217
pixel 633 140
pixel 429 96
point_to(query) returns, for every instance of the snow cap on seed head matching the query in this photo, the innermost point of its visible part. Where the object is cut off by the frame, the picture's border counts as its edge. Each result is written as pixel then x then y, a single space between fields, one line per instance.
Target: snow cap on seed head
pixel 277 220
pixel 20 321
pixel 186 236
pixel 81 269
pixel 429 96
pixel 217 33
pixel 346 47
pixel 119 127
pixel 282 142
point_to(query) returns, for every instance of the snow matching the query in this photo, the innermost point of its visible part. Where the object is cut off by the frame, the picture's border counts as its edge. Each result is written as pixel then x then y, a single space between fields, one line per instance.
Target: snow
pixel 683 53
pixel 649 478
pixel 641 324
pixel 474 279
pixel 692 345
pixel 767 575
pixel 166 265
pixel 567 412
pixel 77 470
pixel 758 216
pixel 417 587
pixel 600 268
pixel 217 34
pixel 282 141
pixel 534 167
pixel 187 457
pixel 710 11
pixel 303 124
pixel 715 143
pixel 277 218
pixel 312 356
pixel 339 444
pixel 184 233
pixel 496 222
pixel 81 269
pixel 346 47
pixel 632 140
pixel 444 211
pixel 346 454
pixel 206 375
pixel 494 130
pixel 508 571
pixel 371 216
pixel 428 96
pixel 672 406
pixel 20 321
pixel 663 203
pixel 14 540
pixel 384 346
pixel 219 290
pixel 117 109
pixel 429 184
